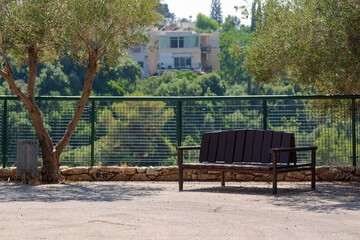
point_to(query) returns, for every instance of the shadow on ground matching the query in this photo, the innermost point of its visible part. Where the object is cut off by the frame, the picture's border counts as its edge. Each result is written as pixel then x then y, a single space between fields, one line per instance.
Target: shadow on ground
pixel 328 196
pixel 10 192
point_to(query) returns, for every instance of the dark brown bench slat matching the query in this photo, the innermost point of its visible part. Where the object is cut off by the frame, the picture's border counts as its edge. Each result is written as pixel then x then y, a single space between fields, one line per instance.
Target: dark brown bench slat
pixel 224 166
pixel 249 143
pixel 292 154
pixel 205 140
pixel 220 155
pixel 213 146
pixel 258 144
pixel 239 145
pixel 230 146
pixel 276 141
pixel 265 155
pixel 285 143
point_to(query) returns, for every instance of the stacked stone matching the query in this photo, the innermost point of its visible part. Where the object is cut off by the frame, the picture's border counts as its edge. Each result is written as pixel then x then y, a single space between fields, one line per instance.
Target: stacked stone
pixel 113 173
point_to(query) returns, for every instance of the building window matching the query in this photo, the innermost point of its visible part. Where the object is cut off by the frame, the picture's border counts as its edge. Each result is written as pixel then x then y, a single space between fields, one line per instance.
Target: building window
pixel 182 62
pixel 177 42
pixel 141 64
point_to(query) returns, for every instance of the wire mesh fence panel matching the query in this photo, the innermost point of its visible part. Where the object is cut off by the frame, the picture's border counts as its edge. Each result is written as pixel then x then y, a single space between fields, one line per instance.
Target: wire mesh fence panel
pixel 324 124
pixel 144 133
pixel 200 117
pixel 357 131
pixel 58 116
pixel 19 127
pixel 1 129
pixel 136 133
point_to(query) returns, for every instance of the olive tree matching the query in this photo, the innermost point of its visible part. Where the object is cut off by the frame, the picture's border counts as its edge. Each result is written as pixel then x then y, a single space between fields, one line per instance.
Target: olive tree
pixel 316 43
pixel 95 33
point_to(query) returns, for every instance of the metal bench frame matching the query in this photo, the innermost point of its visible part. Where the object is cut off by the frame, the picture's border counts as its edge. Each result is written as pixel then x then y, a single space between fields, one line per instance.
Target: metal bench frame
pixel 248 151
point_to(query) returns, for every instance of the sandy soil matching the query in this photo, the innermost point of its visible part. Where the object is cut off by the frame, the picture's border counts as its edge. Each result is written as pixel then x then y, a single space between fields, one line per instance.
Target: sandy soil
pixel 156 210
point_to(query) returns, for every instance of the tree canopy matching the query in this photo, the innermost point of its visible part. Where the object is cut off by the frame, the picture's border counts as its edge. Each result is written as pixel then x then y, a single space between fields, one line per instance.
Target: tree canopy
pixel 94 33
pixel 215 11
pixel 315 43
pixel 205 23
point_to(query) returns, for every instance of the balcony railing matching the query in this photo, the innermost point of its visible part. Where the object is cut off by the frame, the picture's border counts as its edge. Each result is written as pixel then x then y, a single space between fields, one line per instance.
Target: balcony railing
pixel 205 48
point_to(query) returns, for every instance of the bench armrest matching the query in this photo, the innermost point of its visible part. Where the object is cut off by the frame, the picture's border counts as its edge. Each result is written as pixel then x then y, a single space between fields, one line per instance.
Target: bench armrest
pixel 185 148
pixel 293 149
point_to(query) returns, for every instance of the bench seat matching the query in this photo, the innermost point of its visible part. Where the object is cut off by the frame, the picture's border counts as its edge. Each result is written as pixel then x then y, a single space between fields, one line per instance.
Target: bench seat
pixel 248 151
pixel 260 167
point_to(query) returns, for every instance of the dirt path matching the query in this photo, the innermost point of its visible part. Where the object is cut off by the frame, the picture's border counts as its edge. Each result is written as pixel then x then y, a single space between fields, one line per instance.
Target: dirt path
pixel 156 210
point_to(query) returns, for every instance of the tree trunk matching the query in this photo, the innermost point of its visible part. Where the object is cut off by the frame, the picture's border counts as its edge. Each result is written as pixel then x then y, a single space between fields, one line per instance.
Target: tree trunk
pixel 50 172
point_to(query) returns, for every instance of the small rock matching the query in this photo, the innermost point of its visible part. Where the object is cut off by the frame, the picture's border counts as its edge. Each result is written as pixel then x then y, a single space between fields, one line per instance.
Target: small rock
pixel 141 169
pixel 140 177
pixel 93 170
pixel 110 169
pixel 120 177
pixel 153 171
pixel 129 170
pixel 244 177
pixel 75 171
pixel 80 177
pixel 169 170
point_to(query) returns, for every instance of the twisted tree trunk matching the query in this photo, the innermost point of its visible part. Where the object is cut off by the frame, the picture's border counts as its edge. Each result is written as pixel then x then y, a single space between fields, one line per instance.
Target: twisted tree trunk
pixel 50 171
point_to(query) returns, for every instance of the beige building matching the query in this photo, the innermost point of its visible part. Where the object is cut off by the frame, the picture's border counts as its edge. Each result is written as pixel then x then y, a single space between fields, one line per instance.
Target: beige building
pixel 173 48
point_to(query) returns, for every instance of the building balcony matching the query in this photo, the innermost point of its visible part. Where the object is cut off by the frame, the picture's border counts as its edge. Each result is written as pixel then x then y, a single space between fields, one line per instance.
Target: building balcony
pixel 205 48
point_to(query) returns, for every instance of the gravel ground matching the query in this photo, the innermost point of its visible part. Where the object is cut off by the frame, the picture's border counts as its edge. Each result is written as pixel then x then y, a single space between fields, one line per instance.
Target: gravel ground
pixel 156 210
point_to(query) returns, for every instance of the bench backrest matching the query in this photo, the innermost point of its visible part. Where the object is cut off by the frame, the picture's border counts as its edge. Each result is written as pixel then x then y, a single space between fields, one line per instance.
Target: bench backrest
pixel 245 146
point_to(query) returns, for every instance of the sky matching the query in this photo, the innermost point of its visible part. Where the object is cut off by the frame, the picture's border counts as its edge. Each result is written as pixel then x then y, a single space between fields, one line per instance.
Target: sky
pixel 186 8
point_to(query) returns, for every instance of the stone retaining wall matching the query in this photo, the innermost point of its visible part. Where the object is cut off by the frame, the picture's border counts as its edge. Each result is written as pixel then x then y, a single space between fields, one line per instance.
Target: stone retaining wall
pixel 346 173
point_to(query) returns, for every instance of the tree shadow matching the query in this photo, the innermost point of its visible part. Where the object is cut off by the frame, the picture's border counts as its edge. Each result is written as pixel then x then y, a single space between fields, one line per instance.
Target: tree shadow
pixel 108 192
pixel 327 197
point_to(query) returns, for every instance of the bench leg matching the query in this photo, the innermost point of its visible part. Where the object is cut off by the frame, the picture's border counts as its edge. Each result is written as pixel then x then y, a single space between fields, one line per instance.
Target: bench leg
pixel 274 190
pixel 222 179
pixel 313 162
pixel 181 169
pixel 181 179
pixel 274 183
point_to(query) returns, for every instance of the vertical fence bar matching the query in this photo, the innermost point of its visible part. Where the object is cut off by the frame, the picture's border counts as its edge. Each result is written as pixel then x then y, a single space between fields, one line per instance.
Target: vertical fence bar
pixel 4 134
pixel 265 115
pixel 353 129
pixel 179 123
pixel 92 138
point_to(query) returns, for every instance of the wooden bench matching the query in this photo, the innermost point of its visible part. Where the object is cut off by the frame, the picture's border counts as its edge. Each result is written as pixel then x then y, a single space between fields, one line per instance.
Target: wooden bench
pixel 248 151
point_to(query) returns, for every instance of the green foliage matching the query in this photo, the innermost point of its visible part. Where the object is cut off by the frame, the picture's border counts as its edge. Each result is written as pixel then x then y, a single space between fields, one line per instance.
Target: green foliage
pixel 212 84
pixel 233 39
pixel 314 43
pixel 205 23
pixel 52 78
pixel 120 80
pixel 131 119
pixel 333 145
pixel 179 87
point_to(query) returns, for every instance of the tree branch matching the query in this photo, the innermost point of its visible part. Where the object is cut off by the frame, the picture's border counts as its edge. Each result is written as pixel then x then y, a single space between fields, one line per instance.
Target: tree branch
pixel 33 58
pixel 7 66
pixel 89 78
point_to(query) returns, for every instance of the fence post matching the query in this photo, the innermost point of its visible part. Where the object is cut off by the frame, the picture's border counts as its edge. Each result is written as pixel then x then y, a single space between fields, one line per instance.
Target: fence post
pixel 265 115
pixel 4 134
pixel 353 129
pixel 92 137
pixel 179 123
